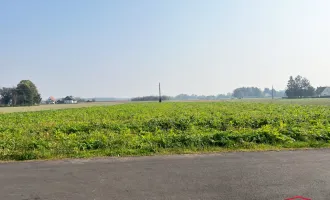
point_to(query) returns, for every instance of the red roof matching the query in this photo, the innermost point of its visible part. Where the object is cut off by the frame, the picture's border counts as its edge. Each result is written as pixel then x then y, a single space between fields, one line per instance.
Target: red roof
pixel 52 98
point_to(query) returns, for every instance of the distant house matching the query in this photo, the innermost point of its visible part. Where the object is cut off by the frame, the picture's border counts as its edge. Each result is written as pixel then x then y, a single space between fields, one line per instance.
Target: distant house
pixel 70 100
pixel 51 100
pixel 323 91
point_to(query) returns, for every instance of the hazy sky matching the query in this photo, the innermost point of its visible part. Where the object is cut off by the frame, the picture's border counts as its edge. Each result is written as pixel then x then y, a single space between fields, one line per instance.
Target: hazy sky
pixel 123 48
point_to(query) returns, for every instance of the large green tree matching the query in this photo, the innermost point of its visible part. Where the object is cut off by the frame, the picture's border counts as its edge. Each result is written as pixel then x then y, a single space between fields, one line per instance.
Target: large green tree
pixel 299 87
pixel 27 93
pixel 291 88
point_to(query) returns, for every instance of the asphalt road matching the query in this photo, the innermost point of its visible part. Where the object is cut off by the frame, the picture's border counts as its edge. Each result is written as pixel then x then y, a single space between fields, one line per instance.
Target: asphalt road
pixel 259 175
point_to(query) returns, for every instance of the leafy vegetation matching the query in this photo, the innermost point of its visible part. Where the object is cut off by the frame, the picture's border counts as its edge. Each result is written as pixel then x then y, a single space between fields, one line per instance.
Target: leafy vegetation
pixel 149 128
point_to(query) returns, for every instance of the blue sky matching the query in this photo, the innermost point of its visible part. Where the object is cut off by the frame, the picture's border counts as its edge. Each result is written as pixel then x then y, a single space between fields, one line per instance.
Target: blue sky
pixel 123 48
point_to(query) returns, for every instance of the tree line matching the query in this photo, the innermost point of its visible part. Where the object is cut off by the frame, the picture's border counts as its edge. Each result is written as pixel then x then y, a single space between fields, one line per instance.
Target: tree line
pixel 202 97
pixel 254 92
pixel 247 92
pixel 182 97
pixel 24 93
pixel 297 87
pixel 150 98
pixel 243 92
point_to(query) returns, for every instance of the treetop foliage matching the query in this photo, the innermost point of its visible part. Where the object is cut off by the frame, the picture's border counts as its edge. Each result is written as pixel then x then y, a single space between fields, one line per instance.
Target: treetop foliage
pixel 299 87
pixel 25 93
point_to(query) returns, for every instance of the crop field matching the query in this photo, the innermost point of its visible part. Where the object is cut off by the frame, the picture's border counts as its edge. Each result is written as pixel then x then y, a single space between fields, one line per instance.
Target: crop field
pixel 304 101
pixel 153 128
pixel 55 106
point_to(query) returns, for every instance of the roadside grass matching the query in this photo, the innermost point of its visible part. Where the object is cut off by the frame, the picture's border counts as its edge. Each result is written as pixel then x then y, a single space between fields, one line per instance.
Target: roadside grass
pixel 39 155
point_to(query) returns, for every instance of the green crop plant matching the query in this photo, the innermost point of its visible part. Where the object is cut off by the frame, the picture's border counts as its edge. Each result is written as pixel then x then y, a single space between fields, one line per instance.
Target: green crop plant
pixel 151 128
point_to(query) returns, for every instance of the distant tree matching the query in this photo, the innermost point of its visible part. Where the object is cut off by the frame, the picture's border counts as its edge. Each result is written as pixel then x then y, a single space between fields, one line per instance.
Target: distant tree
pixel 299 87
pixel 24 94
pixel 307 89
pixel 251 92
pixel 80 100
pixel 267 91
pixel 279 93
pixel 150 98
pixel 6 95
pixel 319 90
pixel 238 93
pixel 194 97
pixel 184 97
pixel 201 97
pixel 298 83
pixel 27 93
pixel 291 88
pixel 223 96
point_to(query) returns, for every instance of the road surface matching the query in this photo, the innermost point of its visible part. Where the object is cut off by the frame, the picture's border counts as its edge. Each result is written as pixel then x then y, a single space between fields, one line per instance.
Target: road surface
pixel 227 176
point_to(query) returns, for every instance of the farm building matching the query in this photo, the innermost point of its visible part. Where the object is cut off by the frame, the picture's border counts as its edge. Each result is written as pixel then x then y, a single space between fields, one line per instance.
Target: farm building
pixel 70 100
pixel 51 100
pixel 323 91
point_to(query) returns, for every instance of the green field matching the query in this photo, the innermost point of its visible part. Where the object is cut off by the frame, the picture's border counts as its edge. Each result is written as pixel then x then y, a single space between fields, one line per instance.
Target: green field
pixel 54 107
pixel 314 101
pixel 303 101
pixel 153 128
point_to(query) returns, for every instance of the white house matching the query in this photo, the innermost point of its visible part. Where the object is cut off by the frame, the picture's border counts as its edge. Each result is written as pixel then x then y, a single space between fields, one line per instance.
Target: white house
pixel 70 100
pixel 323 91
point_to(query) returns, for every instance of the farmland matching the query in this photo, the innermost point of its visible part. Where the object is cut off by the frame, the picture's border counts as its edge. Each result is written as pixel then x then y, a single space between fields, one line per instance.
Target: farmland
pixel 303 101
pixel 55 106
pixel 153 128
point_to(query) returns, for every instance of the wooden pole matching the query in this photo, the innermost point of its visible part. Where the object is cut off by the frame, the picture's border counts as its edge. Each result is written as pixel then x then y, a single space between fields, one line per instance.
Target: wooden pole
pixel 160 95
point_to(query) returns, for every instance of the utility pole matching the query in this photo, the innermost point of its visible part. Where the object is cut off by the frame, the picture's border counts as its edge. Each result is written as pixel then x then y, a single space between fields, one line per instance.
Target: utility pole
pixel 160 95
pixel 272 92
